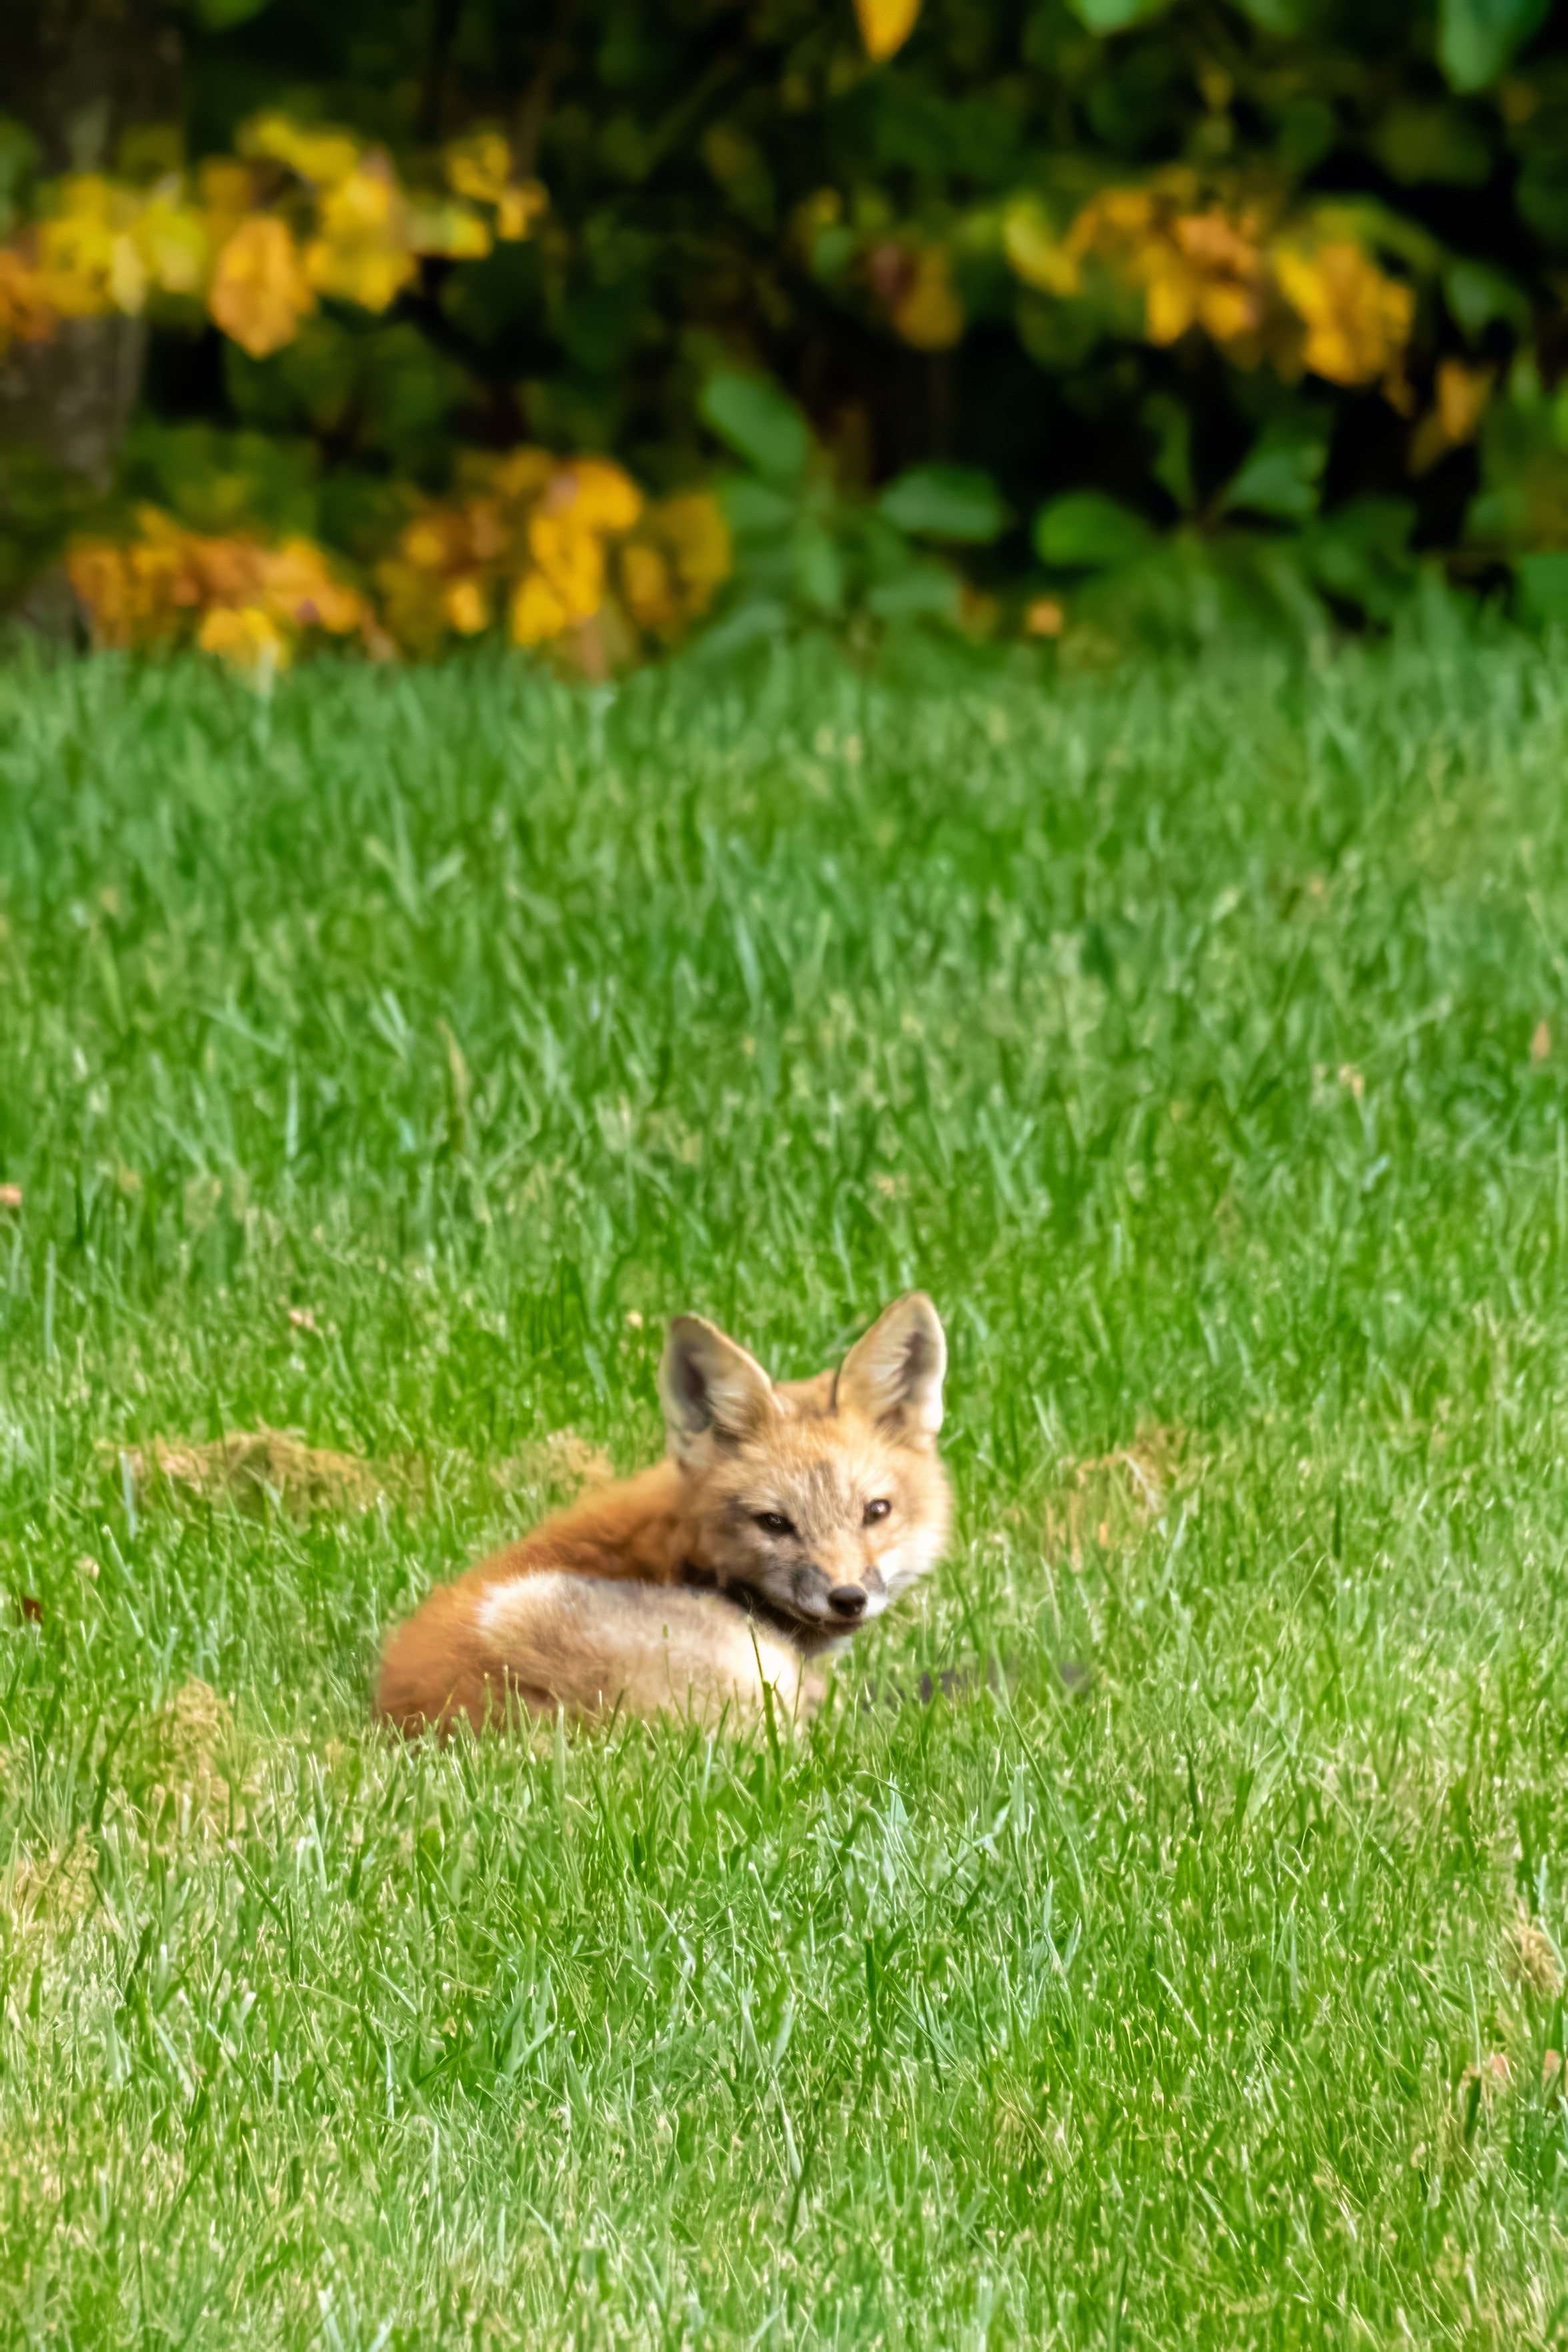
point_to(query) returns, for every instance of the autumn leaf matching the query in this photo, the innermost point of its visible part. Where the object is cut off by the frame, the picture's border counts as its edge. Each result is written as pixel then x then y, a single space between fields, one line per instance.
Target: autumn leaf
pixel 453 232
pixel 538 613
pixel 691 526
pixel 927 313
pixel 596 493
pixel 27 315
pixel 481 167
pixel 361 252
pixel 1357 320
pixel 298 585
pixel 248 638
pixel 885 25
pixel 322 157
pixel 649 588
pixel 259 292
pixel 1035 251
pixel 571 560
pixel 1463 393
pixel 467 608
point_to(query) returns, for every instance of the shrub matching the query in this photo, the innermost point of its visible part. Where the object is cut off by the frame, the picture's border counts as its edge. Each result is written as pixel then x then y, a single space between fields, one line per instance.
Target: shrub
pixel 1243 309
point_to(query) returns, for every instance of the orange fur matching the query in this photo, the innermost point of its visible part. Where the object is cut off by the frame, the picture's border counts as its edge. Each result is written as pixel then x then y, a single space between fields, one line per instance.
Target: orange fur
pixel 759 1541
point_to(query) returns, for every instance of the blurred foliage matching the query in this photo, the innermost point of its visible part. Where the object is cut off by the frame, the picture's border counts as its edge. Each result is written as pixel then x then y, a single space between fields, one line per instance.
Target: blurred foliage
pixel 1072 317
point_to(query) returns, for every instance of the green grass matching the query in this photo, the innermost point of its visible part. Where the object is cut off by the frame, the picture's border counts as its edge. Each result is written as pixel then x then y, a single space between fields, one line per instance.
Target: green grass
pixel 1176 1031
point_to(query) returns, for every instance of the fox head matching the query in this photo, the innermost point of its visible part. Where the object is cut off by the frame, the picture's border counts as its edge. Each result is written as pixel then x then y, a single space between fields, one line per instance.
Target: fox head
pixel 817 1502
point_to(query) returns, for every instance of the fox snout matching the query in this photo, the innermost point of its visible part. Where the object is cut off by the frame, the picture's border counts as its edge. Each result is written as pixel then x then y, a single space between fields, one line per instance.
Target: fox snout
pixel 849 1591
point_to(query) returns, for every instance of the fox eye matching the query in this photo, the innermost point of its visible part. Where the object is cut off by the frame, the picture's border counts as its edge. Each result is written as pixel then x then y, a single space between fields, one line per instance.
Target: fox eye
pixel 875 1511
pixel 774 1522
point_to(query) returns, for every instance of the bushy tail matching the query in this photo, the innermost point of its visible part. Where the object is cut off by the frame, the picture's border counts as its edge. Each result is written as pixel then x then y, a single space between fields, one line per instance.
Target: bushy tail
pixel 584 1643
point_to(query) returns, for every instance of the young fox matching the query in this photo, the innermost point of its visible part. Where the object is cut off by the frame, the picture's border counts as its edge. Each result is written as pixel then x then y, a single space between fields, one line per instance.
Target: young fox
pixel 782 1517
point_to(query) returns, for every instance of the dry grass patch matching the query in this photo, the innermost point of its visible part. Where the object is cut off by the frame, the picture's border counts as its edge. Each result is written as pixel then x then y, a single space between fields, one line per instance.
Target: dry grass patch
pixel 564 1459
pixel 251 1469
pixel 49 1890
pixel 1529 1958
pixel 1105 1499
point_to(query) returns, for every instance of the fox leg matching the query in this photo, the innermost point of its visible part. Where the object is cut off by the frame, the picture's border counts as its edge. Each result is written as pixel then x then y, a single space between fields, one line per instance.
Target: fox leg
pixel 587 1644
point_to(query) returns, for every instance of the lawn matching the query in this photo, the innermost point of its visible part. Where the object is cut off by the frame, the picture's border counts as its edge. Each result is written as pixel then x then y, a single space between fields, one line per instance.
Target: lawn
pixel 1155 1941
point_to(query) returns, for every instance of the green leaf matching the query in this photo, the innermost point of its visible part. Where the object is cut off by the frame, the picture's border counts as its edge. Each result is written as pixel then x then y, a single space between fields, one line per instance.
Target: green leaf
pixel 819 569
pixel 954 502
pixel 1171 425
pixel 925 591
pixel 744 624
pixel 1115 15
pixel 1438 146
pixel 222 16
pixel 1543 585
pixel 1477 295
pixel 1361 554
pixel 1476 38
pixel 1282 473
pixel 760 424
pixel 1275 15
pixel 1084 531
pixel 753 511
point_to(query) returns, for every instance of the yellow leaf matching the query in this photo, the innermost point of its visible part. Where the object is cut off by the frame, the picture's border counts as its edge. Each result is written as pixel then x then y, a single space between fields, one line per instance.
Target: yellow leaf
pixel 479 166
pixel 248 638
pixel 518 209
pixel 171 237
pixel 520 474
pixel 885 24
pixel 467 608
pixel 361 252
pixel 1036 253
pixel 259 292
pixel 1357 320
pixel 127 277
pixel 297 586
pixel 693 528
pixel 27 315
pixel 322 157
pixel 538 612
pixel 228 194
pixel 596 494
pixel 928 313
pixel 571 560
pixel 453 231
pixel 649 588
pixel 1170 294
pixel 1462 395
pixel 86 263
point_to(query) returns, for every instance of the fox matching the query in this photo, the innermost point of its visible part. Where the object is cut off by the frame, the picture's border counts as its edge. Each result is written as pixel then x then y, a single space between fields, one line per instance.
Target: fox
pixel 783 1517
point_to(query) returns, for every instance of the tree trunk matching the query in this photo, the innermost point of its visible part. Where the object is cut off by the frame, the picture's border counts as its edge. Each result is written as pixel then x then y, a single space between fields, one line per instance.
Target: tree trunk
pixel 79 74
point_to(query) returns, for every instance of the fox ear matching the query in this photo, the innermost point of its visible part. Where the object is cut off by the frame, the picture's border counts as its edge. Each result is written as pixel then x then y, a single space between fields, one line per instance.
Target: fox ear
pixel 894 1374
pixel 708 1386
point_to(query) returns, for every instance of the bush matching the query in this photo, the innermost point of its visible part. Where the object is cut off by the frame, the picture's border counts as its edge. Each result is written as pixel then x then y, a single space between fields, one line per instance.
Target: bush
pixel 1088 313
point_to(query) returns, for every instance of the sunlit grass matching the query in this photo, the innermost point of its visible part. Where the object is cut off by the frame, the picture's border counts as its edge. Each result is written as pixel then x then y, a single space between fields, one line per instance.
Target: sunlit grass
pixel 383 1064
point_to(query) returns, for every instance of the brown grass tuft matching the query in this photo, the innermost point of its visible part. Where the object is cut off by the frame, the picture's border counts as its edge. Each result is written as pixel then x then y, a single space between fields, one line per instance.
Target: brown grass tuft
pixel 565 1459
pixel 1109 1498
pixel 1529 1958
pixel 49 1890
pixel 250 1468
pixel 177 1756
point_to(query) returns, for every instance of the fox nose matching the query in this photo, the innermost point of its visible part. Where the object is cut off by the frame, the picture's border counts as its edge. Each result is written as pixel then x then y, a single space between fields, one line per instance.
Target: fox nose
pixel 847 1600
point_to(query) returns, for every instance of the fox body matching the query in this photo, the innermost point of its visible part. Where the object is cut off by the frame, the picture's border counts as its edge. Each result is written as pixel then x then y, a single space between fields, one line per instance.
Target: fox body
pixel 782 1517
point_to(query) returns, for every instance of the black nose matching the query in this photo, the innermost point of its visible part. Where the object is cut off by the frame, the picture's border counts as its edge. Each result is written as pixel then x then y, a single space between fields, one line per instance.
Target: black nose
pixel 847 1600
